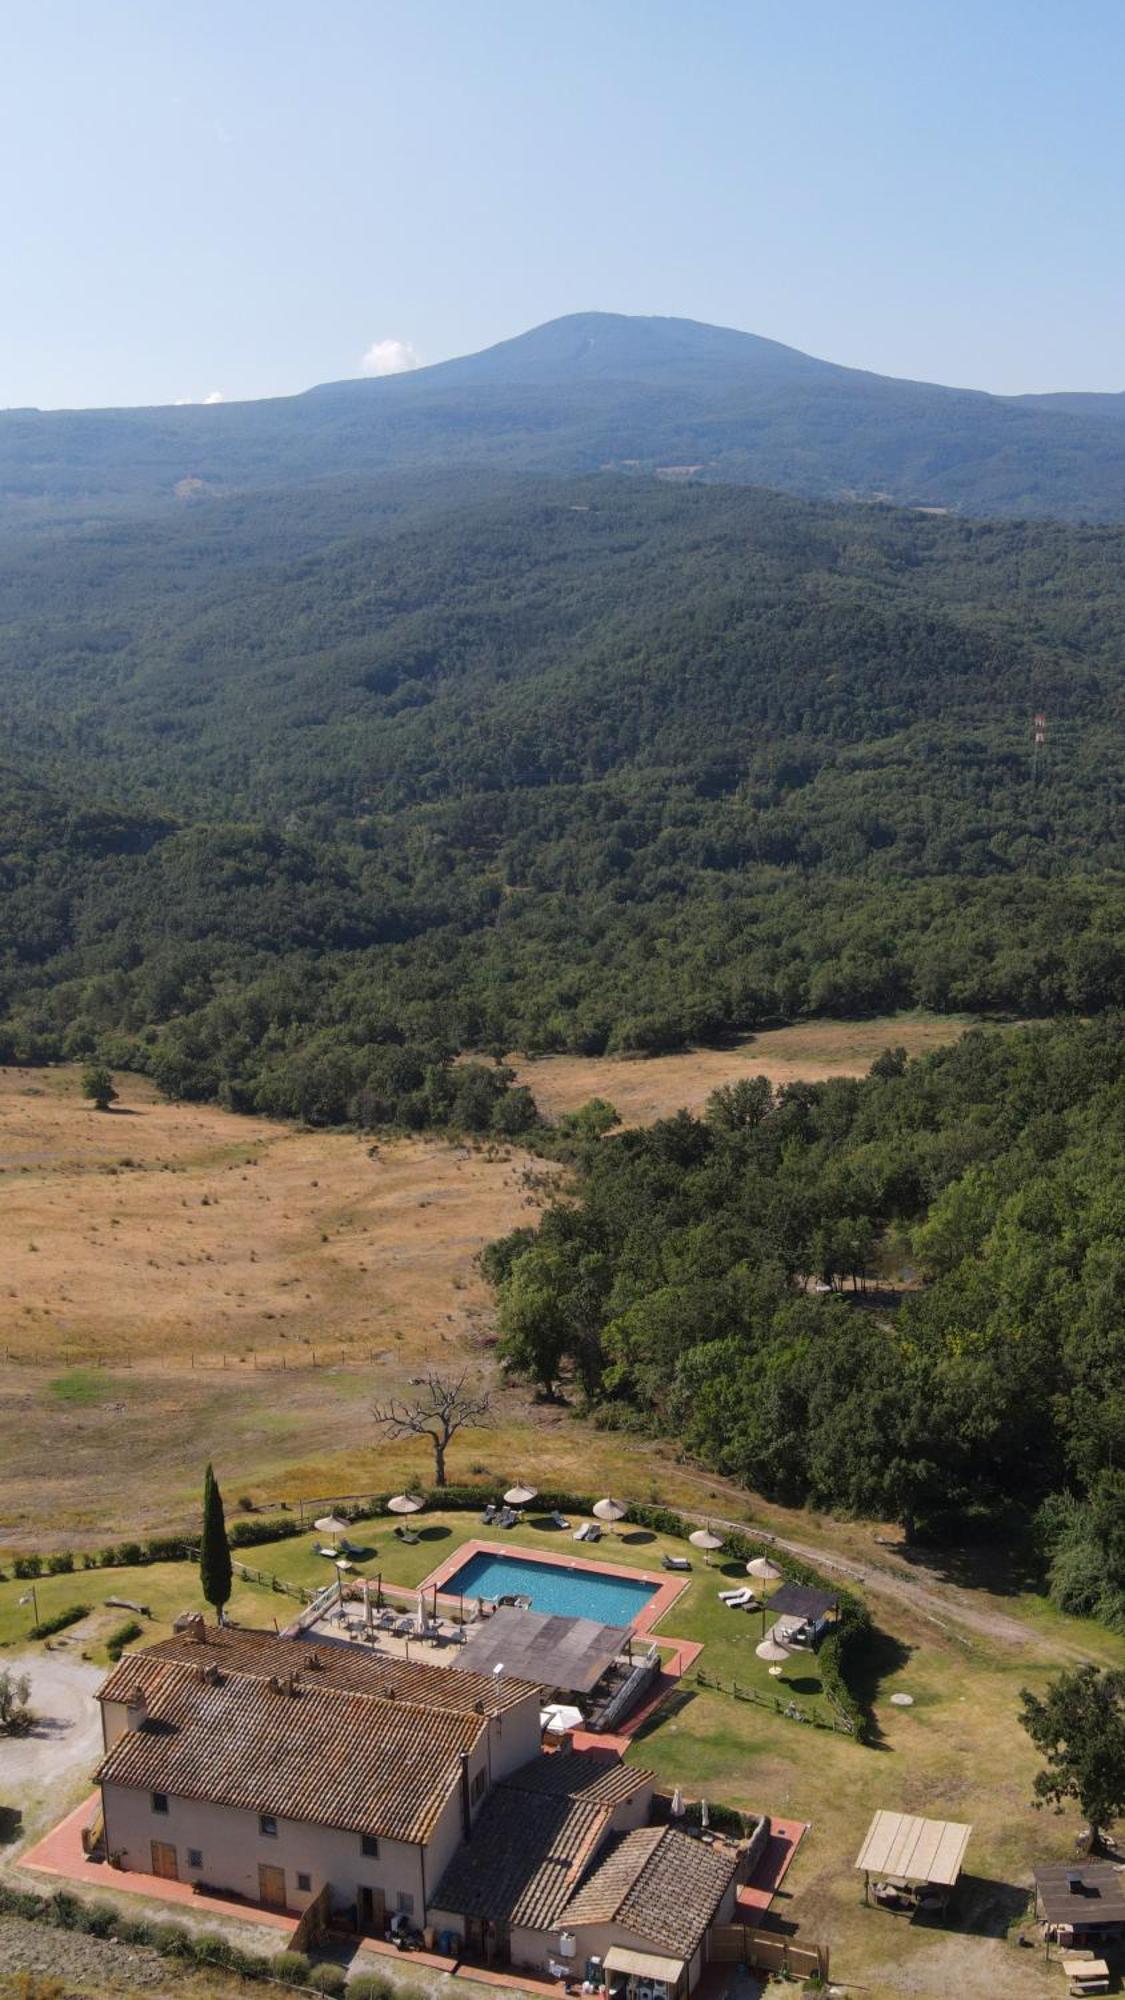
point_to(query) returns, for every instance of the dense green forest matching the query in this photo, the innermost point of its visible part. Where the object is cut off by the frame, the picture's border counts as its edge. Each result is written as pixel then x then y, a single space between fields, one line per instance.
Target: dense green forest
pixel 593 392
pixel 674 1289
pixel 292 782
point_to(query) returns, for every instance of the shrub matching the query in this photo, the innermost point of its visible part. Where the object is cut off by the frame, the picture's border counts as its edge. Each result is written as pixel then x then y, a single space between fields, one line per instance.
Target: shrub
pixel 328 1979
pixel 137 1930
pixel 60 1565
pixel 246 1534
pixel 173 1940
pixel 27 1566
pixel 125 1634
pixel 372 1986
pixel 60 1621
pixel 99 1919
pixel 66 1912
pixel 127 1555
pixel 292 1966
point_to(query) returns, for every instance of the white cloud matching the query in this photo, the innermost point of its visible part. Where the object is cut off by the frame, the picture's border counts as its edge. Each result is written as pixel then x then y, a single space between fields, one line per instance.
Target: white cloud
pixel 216 396
pixel 187 402
pixel 390 357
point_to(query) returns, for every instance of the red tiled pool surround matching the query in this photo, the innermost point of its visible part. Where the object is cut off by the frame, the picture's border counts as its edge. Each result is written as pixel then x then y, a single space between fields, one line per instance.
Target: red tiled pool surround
pixel 666 1584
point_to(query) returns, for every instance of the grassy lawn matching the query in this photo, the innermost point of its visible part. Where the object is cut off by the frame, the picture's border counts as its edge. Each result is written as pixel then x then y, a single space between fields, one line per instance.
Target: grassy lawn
pixel 957 1752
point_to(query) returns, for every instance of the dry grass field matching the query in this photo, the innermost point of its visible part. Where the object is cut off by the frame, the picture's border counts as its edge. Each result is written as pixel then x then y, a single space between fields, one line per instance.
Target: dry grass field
pixel 643 1089
pixel 180 1283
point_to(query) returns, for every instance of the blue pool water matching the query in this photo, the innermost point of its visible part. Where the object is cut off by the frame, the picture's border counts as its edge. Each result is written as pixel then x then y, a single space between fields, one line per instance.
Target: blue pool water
pixel 569 1593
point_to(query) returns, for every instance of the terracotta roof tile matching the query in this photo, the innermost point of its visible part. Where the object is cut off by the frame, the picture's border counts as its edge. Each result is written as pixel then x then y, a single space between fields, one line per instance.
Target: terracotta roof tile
pixel 598 1776
pixel 320 1755
pixel 526 1854
pixel 659 1883
pixel 350 1668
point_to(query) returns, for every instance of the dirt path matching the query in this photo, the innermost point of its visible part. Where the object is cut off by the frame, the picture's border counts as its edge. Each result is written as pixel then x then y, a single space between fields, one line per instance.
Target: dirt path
pixel 927 1595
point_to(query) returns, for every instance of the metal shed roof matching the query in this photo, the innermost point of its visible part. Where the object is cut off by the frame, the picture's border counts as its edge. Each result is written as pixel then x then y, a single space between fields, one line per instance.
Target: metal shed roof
pixel 917 1850
pixel 1097 1898
pixel 802 1600
pixel 571 1653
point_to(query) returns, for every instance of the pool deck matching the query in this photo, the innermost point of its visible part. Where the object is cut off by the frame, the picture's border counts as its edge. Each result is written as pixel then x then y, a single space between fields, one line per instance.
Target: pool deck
pixel 666 1585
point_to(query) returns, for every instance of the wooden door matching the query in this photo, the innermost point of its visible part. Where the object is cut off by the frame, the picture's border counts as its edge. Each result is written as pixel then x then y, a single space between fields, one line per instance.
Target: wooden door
pixel 372 1909
pixel 164 1860
pixel 271 1886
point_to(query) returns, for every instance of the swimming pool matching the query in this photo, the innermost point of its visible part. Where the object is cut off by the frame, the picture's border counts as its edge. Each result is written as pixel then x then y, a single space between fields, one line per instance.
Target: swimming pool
pixel 554 1587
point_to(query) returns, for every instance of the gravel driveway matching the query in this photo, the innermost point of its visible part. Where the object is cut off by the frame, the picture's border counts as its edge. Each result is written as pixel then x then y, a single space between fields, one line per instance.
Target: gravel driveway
pixel 45 1773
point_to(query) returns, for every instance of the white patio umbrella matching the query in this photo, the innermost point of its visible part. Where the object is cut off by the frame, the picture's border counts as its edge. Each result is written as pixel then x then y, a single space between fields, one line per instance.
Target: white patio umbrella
pixel 676 1809
pixel 423 1622
pixel 559 1717
pixel 610 1509
pixel 331 1524
pixel 405 1503
pixel 765 1570
pixel 704 1815
pixel 771 1649
pixel 520 1496
pixel 706 1539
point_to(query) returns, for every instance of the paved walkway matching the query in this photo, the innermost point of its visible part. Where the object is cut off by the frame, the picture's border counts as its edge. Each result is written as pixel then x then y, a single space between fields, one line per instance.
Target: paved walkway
pixel 756 1895
pixel 60 1853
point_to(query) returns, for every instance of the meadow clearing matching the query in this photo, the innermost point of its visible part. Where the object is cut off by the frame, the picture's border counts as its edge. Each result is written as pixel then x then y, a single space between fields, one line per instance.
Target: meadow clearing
pixel 157 1253
pixel 643 1089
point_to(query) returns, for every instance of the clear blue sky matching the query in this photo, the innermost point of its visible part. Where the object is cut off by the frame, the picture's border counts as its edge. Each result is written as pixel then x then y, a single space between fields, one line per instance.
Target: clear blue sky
pixel 245 197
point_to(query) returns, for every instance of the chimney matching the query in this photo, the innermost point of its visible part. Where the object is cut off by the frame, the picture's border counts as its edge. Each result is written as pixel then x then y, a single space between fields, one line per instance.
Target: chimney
pixel 190 1625
pixel 136 1706
pixel 466 1803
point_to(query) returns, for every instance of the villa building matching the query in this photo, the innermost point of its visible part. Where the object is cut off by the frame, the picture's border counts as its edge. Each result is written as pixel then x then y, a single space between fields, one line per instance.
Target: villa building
pixel 280 1771
pixel 269 1768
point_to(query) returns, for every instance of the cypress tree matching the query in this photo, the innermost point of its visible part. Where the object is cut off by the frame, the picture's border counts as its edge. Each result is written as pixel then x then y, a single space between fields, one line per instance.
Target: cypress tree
pixel 214 1550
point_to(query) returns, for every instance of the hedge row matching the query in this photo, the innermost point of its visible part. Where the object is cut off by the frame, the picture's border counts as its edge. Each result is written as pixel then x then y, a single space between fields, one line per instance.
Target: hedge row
pixel 60 1621
pixel 193 1949
pixel 157 1549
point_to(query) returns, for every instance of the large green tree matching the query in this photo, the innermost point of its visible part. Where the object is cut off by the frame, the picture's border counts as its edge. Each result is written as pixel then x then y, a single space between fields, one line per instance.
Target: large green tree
pixel 215 1574
pixel 1079 1727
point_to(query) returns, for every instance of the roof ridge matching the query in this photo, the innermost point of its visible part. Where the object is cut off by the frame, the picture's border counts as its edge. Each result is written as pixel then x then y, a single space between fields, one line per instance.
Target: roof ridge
pixel 165 1663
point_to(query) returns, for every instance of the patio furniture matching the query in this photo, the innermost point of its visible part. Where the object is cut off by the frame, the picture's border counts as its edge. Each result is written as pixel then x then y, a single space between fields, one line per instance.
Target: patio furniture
pixel 675 1562
pixel 735 1600
pixel 408 1535
pixel 558 1520
pixel 489 1514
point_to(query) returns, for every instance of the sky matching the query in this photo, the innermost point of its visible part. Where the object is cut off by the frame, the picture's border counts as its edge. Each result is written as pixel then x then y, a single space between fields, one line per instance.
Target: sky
pixel 242 199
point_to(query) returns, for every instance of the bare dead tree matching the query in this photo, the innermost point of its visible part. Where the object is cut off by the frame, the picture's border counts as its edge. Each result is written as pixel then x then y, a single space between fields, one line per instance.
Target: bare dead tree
pixel 442 1407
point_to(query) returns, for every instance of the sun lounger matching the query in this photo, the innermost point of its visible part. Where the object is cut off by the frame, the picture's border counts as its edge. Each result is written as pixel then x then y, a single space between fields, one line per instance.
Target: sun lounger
pixel 735 1600
pixel 507 1519
pixel 558 1521
pixel 675 1562
pixel 593 1532
pixel 582 1533
pixel 407 1534
pixel 489 1515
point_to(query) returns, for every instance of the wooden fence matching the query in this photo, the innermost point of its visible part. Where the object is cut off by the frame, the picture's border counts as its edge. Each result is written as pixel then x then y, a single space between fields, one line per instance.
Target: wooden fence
pixel 792 1710
pixel 768 1951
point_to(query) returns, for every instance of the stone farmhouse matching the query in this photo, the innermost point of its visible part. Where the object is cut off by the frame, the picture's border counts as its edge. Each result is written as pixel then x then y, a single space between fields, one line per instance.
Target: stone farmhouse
pixel 280 1771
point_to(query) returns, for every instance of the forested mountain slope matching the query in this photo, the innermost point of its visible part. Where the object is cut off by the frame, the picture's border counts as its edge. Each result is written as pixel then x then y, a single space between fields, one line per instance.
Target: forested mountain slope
pixel 594 392
pixel 675 1292
pixel 292 779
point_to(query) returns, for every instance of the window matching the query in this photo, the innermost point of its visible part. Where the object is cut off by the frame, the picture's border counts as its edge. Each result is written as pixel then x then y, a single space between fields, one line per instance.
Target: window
pixel 477 1790
pixel 160 1802
pixel 304 1881
pixel 369 1844
pixel 194 1857
pixel 405 1904
pixel 268 1825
